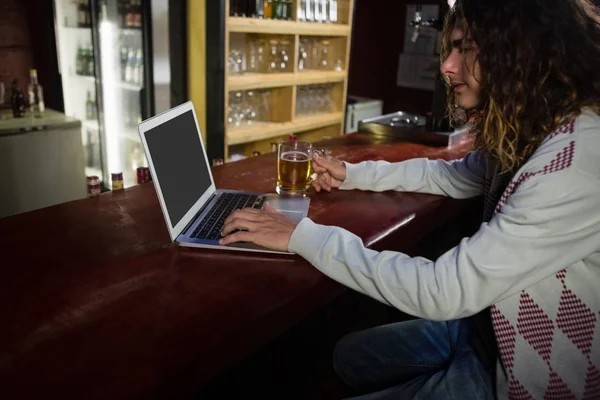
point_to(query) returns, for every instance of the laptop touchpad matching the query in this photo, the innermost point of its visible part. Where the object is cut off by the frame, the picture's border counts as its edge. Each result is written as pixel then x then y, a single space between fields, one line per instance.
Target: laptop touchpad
pixel 295 215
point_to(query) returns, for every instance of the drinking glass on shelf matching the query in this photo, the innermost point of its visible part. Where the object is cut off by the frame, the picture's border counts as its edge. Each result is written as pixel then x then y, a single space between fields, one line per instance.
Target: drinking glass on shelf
pixel 250 106
pixel 238 108
pixel 261 55
pixel 338 65
pixel 263 104
pixel 274 60
pixel 252 56
pixel 235 62
pixel 283 55
pixel 315 52
pixel 324 58
pixel 230 114
pixel 303 55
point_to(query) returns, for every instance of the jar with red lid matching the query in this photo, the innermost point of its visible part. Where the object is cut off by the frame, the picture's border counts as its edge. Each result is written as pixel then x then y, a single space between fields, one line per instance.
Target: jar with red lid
pixel 143 175
pixel 93 185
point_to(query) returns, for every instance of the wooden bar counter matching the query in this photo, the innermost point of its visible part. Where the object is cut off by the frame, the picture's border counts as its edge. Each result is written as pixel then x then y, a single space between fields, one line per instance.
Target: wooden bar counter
pixel 97 303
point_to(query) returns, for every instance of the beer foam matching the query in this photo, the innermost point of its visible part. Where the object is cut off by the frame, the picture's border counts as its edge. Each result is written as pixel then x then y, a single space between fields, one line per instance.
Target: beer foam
pixel 295 156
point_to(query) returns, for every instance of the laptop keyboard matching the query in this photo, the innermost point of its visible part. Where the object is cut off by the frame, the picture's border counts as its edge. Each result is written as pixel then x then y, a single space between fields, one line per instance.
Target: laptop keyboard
pixel 211 225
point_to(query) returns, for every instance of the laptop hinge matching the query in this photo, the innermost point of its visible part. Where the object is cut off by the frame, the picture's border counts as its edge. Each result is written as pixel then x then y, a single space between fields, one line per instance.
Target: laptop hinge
pixel 197 215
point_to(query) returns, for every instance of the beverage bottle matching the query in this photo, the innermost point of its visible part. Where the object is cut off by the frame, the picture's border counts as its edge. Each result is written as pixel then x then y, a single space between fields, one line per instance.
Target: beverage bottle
pixel 259 11
pixel 124 57
pixel 301 10
pixel 333 11
pixel 90 63
pixel 36 94
pixel 17 100
pixel 130 65
pixel 84 61
pixel 309 10
pixel 90 107
pixel 88 14
pixel 79 61
pixel 130 16
pixel 139 65
pixel 81 14
pixel 268 8
pixel 138 14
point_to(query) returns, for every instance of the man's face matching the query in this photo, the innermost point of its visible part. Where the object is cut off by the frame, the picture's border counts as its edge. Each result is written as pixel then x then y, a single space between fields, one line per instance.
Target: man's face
pixel 461 69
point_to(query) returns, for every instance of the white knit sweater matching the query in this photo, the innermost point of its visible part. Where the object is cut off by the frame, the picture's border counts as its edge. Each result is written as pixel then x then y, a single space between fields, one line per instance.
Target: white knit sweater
pixel 536 263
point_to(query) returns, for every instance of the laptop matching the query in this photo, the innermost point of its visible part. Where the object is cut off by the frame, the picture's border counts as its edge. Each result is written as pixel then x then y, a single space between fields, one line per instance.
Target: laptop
pixel 194 209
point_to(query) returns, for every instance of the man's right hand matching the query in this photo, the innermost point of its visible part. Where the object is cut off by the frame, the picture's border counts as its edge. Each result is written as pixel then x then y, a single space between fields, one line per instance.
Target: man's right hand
pixel 331 173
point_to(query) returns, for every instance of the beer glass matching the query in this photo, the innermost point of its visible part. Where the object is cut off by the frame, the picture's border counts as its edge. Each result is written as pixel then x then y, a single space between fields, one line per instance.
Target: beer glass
pixel 294 167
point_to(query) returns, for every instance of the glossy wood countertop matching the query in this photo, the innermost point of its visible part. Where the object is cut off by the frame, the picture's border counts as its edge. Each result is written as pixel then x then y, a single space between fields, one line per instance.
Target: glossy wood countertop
pixel 95 302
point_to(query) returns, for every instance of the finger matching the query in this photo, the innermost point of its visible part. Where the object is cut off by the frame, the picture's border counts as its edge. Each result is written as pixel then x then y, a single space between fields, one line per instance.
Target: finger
pixel 238 223
pixel 318 169
pixel 327 187
pixel 241 236
pixel 320 161
pixel 324 179
pixel 316 185
pixel 245 214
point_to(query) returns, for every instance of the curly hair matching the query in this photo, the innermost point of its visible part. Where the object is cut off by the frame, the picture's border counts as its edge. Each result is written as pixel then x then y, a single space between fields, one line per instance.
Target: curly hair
pixel 540 65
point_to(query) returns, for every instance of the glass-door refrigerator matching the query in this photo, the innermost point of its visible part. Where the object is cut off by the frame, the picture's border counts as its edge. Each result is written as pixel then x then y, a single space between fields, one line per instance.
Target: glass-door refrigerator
pixel 104 48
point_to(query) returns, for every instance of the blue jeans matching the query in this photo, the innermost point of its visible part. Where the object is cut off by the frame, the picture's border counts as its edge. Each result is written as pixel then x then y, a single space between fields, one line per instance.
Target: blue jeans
pixel 416 359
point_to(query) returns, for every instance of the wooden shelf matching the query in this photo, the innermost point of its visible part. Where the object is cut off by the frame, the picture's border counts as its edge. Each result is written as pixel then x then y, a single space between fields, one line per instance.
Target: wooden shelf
pixel 279 27
pixel 265 81
pixel 266 130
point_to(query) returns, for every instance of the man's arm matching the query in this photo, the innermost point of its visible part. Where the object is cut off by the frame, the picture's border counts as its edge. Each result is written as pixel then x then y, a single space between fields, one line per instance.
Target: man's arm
pixel 459 179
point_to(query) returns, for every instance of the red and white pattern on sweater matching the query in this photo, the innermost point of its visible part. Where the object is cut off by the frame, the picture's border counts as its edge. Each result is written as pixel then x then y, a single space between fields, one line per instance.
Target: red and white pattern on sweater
pixel 574 320
pixel 563 160
pixel 566 129
pixel 524 325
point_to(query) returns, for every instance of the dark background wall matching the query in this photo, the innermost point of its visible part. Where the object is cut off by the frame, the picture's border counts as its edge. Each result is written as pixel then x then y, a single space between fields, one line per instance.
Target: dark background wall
pixel 377 41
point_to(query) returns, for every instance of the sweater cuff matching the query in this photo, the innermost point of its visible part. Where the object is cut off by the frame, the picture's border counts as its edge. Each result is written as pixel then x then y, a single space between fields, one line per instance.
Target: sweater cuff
pixel 352 177
pixel 308 238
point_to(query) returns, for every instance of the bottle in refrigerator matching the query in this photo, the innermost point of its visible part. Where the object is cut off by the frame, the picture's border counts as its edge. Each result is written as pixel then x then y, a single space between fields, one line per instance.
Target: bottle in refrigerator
pixel 130 66
pixel 17 100
pixel 129 14
pixel 90 62
pixel 137 14
pixel 139 68
pixel 79 60
pixel 124 58
pixel 36 94
pixel 90 107
pixel 82 16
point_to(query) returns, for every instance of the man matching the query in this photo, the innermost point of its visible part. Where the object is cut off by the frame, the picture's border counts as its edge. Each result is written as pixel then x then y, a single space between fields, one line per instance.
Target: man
pixel 514 310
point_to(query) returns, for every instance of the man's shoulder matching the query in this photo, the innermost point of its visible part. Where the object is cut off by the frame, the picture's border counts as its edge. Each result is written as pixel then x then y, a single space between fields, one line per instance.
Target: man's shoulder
pixel 572 146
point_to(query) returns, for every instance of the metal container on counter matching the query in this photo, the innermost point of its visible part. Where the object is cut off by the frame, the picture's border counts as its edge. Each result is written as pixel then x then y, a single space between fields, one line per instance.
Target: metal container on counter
pixel 411 128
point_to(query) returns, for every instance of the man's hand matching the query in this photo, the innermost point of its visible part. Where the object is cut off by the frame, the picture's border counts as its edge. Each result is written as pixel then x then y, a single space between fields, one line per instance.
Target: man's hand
pixel 331 173
pixel 268 228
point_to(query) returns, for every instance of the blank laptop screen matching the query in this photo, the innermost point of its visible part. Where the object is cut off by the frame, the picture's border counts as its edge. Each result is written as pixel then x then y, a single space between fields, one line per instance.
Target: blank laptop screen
pixel 179 164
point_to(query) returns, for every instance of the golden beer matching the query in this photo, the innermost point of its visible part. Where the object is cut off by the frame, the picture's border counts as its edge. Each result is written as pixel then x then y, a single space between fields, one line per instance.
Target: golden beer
pixel 293 172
